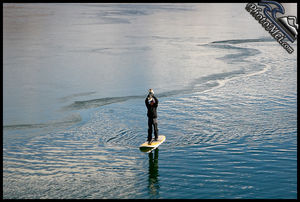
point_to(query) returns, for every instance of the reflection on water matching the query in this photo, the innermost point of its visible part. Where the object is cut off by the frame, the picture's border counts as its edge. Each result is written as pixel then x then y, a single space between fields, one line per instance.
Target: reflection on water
pixel 153 182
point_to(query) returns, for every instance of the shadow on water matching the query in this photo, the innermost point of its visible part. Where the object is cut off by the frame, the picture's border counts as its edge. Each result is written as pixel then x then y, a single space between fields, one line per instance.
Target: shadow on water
pixel 153 182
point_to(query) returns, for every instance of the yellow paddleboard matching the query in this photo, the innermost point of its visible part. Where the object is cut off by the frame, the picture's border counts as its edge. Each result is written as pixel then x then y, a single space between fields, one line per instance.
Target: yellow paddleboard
pixel 154 144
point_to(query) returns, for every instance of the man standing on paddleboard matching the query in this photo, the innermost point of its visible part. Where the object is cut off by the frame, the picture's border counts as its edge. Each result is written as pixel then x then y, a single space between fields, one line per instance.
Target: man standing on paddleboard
pixel 151 103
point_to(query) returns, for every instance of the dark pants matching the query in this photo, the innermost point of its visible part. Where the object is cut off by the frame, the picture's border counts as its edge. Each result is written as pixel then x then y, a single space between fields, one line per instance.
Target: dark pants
pixel 150 123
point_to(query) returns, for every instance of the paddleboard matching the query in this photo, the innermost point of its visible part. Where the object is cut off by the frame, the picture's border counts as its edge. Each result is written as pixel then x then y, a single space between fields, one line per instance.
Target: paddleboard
pixel 145 147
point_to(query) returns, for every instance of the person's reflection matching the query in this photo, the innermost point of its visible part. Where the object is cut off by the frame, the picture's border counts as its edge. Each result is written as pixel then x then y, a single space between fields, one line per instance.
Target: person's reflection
pixel 153 174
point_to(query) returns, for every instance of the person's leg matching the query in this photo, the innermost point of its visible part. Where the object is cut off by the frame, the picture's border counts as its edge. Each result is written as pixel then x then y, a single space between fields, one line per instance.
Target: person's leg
pixel 155 128
pixel 150 121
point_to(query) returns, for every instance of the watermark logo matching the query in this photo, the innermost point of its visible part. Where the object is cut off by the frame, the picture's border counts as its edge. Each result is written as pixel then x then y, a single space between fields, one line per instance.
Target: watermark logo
pixel 282 29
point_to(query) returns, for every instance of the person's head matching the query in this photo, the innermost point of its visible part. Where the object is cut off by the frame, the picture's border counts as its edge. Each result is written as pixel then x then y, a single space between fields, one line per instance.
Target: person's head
pixel 151 92
pixel 150 96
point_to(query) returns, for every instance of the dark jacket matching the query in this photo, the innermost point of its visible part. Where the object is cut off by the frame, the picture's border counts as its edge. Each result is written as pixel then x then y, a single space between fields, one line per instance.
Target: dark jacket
pixel 152 108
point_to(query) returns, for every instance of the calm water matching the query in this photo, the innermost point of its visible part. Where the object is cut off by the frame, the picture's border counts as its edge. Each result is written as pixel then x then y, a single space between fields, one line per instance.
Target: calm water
pixel 74 83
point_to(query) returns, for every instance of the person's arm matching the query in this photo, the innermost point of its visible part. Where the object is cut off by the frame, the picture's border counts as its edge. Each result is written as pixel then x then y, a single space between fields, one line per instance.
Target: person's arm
pixel 156 101
pixel 146 102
